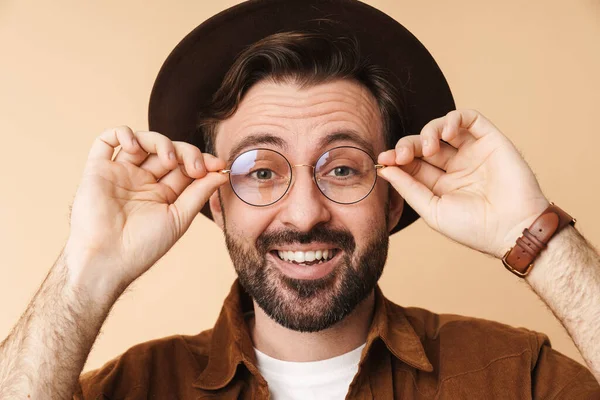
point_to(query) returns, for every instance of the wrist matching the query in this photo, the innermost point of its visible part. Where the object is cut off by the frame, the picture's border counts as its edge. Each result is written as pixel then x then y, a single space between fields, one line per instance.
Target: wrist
pixel 527 249
pixel 86 276
pixel 555 248
pixel 511 238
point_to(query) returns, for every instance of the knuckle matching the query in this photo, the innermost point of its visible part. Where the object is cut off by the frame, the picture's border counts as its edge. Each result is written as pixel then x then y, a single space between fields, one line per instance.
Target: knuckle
pixel 122 133
pixel 186 154
pixel 407 140
pixel 114 131
pixel 454 116
pixel 206 160
pixel 188 150
pixel 154 137
pixel 124 128
pixel 430 134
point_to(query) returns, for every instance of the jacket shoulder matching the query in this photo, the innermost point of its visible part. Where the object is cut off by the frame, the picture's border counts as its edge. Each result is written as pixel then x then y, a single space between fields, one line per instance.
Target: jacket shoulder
pixel 183 356
pixel 475 338
pixel 462 345
pixel 467 330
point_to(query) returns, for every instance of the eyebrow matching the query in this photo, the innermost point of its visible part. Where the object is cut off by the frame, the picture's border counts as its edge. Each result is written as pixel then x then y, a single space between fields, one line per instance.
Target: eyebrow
pixel 349 136
pixel 259 139
pixel 254 140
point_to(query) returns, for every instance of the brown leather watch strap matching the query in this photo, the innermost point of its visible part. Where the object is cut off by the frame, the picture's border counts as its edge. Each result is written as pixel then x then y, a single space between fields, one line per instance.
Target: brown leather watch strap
pixel 519 259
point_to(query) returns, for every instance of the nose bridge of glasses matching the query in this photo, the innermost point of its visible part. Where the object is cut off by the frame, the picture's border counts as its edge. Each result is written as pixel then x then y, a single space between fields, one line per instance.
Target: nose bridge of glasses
pixel 304 184
pixel 304 165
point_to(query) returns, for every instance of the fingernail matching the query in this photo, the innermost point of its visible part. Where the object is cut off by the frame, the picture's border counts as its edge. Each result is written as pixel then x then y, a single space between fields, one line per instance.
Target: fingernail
pixel 425 142
pixel 198 164
pixel 171 155
pixel 134 142
pixel 401 150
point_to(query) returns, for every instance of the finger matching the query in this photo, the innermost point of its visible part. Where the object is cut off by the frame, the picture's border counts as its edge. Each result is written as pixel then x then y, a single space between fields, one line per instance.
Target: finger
pixel 416 194
pixel 105 144
pixel 410 147
pixel 176 180
pixel 471 120
pixel 424 172
pixel 445 128
pixel 213 163
pixel 134 155
pixel 205 161
pixel 459 127
pixel 186 154
pixel 193 198
pixel 159 144
pixel 155 166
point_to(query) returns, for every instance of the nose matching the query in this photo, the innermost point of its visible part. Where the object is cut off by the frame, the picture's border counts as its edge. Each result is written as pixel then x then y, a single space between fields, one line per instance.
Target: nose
pixel 303 206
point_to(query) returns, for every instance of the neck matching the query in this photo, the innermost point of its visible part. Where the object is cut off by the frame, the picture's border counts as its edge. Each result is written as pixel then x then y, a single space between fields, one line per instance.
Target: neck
pixel 274 340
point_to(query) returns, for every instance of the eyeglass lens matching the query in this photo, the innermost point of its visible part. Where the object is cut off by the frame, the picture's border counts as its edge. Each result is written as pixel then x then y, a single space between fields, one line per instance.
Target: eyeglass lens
pixel 344 174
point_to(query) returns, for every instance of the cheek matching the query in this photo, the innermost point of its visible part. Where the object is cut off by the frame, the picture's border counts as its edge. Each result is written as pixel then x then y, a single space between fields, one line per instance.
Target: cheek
pixel 243 220
pixel 367 216
pixel 372 208
pixel 381 195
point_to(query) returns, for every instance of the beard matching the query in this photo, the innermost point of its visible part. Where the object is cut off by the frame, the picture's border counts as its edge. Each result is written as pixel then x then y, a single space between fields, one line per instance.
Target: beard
pixel 310 305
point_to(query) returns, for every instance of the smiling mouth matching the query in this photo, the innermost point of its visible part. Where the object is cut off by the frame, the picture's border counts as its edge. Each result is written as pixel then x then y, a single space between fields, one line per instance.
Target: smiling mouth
pixel 306 258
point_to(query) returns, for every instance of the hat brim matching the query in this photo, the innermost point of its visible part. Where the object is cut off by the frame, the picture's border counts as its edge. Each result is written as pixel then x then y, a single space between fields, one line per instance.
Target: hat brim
pixel 193 71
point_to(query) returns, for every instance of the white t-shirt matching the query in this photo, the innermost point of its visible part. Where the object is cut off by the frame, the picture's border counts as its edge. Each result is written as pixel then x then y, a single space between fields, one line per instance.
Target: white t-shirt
pixel 325 379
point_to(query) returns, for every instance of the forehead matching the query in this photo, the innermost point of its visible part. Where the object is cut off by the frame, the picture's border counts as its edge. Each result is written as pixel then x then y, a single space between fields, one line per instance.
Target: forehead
pixel 290 117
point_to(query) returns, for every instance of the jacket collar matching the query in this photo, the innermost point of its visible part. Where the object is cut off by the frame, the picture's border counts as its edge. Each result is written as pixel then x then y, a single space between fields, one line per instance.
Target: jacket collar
pixel 231 344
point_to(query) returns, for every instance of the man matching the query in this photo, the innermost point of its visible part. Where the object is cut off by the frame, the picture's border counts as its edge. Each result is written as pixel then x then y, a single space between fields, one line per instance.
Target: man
pixel 296 128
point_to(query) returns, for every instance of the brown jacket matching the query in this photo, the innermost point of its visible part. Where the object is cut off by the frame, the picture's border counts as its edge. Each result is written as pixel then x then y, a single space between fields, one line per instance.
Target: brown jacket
pixel 410 353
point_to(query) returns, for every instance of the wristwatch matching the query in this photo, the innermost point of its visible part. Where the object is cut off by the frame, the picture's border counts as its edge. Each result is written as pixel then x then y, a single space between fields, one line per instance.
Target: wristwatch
pixel 519 259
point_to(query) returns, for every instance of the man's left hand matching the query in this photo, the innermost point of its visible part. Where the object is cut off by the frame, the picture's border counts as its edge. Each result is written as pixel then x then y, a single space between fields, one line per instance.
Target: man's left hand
pixel 473 186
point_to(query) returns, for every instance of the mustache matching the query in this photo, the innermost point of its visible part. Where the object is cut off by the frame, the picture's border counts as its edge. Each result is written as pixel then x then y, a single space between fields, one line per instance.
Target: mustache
pixel 340 238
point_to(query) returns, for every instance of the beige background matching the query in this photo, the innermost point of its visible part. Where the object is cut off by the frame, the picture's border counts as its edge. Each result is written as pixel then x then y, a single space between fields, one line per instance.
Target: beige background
pixel 69 70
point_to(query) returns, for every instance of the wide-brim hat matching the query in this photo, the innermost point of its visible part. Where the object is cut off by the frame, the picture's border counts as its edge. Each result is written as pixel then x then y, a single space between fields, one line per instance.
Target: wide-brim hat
pixel 193 71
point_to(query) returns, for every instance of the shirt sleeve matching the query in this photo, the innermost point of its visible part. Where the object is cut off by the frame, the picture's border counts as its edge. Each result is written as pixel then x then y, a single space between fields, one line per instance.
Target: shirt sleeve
pixel 556 376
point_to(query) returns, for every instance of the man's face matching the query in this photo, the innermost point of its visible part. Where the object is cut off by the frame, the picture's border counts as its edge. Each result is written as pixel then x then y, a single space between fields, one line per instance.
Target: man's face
pixel 301 124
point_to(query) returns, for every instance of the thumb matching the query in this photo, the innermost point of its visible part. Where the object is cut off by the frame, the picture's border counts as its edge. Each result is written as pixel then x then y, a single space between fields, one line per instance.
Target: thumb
pixel 192 199
pixel 416 194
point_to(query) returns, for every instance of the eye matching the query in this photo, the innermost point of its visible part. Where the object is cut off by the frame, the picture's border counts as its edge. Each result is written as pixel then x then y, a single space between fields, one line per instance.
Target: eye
pixel 341 171
pixel 262 174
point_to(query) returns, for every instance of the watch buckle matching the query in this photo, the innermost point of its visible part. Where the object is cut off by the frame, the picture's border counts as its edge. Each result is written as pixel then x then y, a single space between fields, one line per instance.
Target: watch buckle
pixel 514 271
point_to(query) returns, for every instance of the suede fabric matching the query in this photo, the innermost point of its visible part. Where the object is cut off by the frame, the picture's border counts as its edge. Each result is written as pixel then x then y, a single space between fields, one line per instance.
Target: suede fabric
pixel 411 353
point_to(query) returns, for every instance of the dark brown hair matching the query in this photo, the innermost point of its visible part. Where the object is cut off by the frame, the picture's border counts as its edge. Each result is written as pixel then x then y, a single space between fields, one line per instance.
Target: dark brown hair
pixel 306 59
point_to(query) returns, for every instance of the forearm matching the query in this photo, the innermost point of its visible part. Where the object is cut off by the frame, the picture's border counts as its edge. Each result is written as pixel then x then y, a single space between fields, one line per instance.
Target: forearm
pixel 566 275
pixel 45 352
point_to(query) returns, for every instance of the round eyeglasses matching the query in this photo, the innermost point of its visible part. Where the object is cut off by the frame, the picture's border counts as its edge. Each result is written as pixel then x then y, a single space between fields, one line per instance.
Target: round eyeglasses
pixel 344 174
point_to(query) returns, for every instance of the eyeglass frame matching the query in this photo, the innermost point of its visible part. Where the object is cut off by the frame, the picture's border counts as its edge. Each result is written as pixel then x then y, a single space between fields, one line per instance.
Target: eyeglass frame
pixel 291 167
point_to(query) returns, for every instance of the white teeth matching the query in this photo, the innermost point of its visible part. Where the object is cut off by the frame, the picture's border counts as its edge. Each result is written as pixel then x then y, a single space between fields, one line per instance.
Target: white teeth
pixel 308 256
pixel 299 257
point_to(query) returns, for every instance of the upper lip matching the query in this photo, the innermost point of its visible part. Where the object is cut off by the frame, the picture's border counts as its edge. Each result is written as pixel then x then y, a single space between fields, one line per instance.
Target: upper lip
pixel 304 247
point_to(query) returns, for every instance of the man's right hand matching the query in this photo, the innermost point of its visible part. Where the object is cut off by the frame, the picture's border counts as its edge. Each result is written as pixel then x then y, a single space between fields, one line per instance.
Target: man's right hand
pixel 128 212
